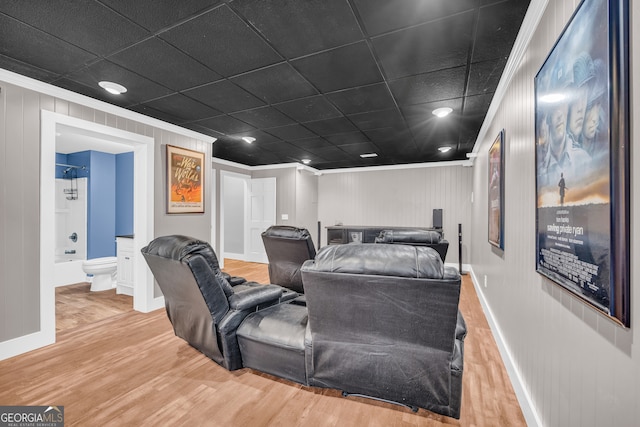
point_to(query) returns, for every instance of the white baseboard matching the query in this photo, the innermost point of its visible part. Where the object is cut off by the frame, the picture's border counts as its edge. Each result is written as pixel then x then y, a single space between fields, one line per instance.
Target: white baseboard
pixel 526 404
pixel 23 344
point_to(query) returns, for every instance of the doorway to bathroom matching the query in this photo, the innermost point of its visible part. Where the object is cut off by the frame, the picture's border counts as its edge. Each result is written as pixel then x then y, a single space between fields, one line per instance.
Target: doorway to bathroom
pixel 52 126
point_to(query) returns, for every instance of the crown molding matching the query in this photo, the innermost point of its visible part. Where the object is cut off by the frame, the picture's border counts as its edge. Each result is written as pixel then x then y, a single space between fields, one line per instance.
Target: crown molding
pixel 58 92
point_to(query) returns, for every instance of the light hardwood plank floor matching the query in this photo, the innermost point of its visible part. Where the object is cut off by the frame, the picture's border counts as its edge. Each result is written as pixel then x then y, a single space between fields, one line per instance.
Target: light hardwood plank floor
pixel 112 366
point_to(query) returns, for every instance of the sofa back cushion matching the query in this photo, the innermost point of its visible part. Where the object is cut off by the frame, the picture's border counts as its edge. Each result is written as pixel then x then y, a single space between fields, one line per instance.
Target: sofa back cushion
pixel 380 259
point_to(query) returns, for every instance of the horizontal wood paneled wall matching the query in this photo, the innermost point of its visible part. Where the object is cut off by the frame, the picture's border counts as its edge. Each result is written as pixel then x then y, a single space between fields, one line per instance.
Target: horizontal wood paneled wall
pixel 578 367
pixel 400 197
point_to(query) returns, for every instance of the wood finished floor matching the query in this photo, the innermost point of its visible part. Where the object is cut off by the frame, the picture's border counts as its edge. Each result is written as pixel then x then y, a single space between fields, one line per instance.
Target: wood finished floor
pixel 112 366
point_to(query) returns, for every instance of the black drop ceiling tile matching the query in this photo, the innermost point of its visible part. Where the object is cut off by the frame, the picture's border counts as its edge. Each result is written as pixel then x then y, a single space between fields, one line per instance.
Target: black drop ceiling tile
pixel 139 89
pixel 182 108
pixel 485 76
pixel 224 96
pixel 477 106
pixel 389 135
pixel 86 24
pixel 291 132
pixel 279 147
pixel 30 46
pixel 311 143
pixel 155 15
pixel 264 117
pixel 260 136
pixel 429 87
pixel 309 109
pixel 362 148
pixel 222 41
pixel 364 98
pixel 347 138
pixel 331 126
pixel 226 124
pixel 26 69
pixel 329 153
pixel 164 64
pixel 427 47
pixel 297 28
pixel 377 119
pixel 380 16
pixel 276 83
pixel 498 27
pixel 344 67
pixel 436 134
pixel 152 112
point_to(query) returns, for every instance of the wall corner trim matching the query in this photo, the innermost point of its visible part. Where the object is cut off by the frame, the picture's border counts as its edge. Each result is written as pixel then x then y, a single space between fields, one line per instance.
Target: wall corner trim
pixel 519 386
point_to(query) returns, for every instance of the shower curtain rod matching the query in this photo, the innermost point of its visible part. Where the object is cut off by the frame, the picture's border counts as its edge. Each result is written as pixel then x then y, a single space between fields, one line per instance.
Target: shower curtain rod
pixel 70 166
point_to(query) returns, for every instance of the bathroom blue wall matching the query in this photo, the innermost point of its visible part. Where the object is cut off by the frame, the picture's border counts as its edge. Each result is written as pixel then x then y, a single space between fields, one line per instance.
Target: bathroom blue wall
pixel 101 223
pixel 124 194
pixel 110 197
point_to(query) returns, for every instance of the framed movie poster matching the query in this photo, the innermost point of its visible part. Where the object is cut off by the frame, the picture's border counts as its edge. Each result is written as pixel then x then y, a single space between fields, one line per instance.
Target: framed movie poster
pixel 582 158
pixel 496 192
pixel 185 180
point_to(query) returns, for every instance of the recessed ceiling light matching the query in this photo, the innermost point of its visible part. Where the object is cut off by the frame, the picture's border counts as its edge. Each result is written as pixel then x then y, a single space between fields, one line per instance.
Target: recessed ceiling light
pixel 248 139
pixel 112 87
pixel 366 156
pixel 444 148
pixel 306 161
pixel 442 112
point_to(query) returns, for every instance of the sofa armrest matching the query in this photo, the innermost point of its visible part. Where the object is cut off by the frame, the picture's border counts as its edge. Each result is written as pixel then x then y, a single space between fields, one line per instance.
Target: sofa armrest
pixel 254 296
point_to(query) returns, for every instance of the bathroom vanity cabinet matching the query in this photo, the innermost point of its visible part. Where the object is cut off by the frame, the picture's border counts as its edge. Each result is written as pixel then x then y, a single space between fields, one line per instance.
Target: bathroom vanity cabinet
pixel 124 248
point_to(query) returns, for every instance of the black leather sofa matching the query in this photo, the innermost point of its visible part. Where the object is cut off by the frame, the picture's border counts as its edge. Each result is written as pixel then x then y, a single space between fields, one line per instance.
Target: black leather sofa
pixel 417 237
pixel 203 307
pixel 380 321
pixel 287 249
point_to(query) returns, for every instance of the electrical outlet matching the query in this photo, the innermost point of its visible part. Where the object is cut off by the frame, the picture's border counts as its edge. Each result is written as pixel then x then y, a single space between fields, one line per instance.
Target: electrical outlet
pixel 485 280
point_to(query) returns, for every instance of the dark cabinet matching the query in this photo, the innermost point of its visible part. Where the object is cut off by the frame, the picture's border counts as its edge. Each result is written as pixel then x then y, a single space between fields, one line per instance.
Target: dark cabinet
pixel 341 234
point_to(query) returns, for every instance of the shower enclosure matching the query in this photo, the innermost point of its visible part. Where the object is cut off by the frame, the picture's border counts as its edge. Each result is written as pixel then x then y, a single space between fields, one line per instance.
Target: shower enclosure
pixel 71 228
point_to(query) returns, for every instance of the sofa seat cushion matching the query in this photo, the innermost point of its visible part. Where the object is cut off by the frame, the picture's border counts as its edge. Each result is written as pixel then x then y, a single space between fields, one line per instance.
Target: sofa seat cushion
pixel 272 341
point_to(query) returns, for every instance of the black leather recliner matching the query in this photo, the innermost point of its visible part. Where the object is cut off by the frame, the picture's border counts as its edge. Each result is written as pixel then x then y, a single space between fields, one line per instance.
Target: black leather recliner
pixel 287 249
pixel 432 239
pixel 204 309
pixel 381 321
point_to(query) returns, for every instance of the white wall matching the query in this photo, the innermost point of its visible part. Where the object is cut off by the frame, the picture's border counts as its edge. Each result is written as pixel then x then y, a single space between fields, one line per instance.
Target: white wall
pixel 578 367
pixel 400 197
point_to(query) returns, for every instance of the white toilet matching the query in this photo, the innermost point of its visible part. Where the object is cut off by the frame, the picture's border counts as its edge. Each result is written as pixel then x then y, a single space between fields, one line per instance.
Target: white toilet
pixel 104 272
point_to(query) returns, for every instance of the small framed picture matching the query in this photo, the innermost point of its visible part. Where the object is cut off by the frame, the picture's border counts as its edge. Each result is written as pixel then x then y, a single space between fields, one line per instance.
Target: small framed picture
pixel 185 181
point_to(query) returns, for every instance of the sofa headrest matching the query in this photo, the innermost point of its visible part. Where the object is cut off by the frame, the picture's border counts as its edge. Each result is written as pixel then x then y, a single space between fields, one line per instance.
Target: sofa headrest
pixel 183 248
pixel 409 236
pixel 378 259
pixel 286 232
pixel 177 247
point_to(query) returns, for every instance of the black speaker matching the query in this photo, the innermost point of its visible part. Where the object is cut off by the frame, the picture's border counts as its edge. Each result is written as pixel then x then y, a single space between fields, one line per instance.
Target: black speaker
pixel 460 250
pixel 437 218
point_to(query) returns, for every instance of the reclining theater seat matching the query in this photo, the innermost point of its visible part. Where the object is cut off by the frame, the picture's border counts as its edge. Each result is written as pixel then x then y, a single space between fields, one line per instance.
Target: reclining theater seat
pixel 430 238
pixel 204 309
pixel 381 321
pixel 287 248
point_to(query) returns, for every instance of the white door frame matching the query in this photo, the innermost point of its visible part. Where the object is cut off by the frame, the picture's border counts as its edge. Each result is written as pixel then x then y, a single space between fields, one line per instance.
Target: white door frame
pixel 143 295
